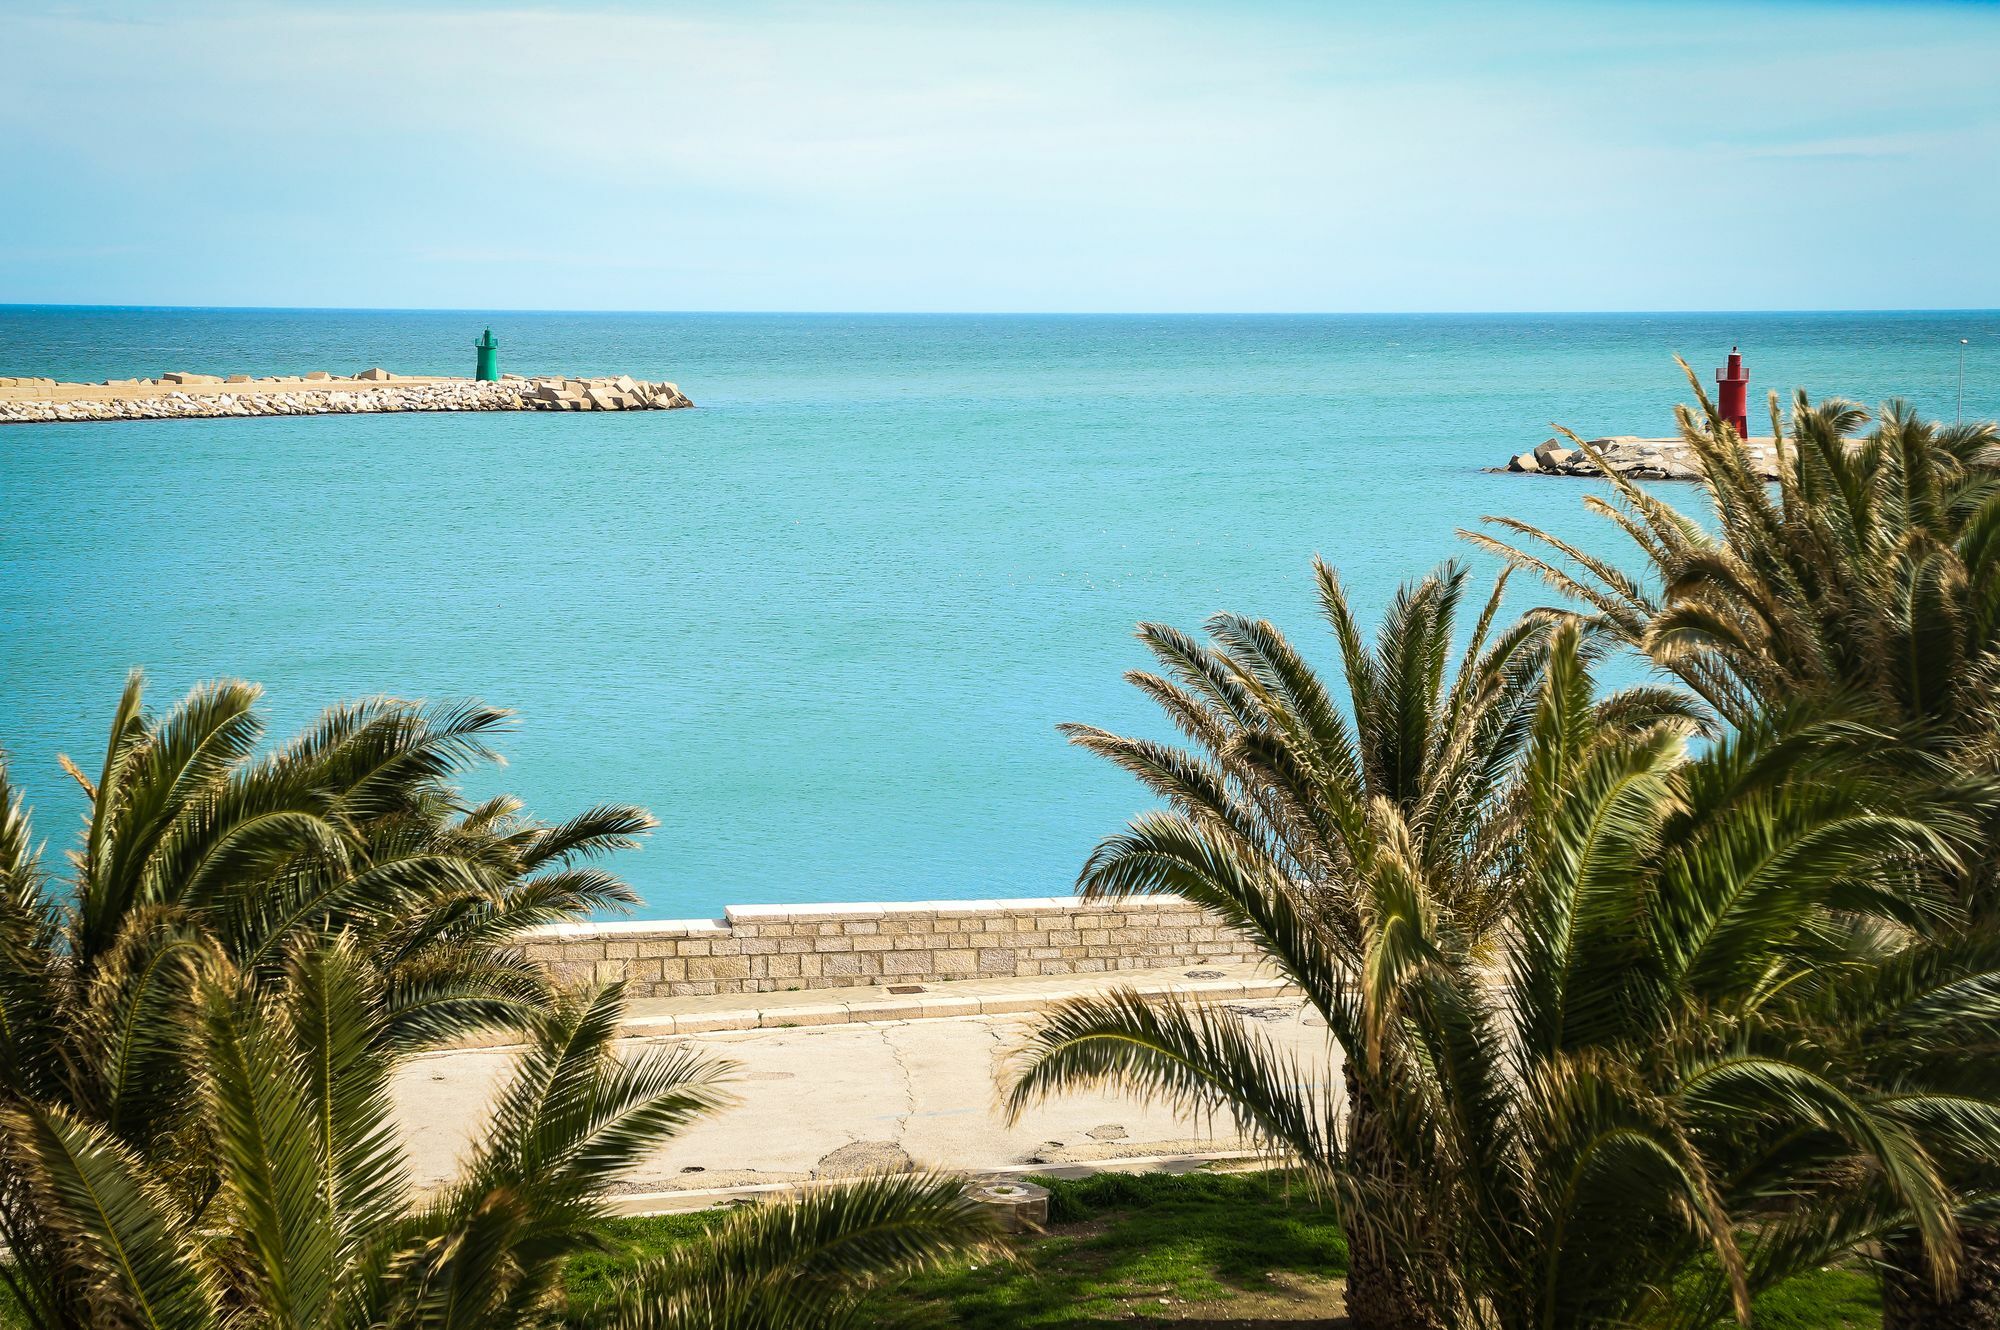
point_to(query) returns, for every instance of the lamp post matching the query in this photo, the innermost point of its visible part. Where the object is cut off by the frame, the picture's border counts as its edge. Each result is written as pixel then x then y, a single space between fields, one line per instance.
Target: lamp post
pixel 1958 418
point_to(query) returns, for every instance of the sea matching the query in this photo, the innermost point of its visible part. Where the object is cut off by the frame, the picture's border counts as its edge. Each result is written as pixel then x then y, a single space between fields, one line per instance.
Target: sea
pixel 824 625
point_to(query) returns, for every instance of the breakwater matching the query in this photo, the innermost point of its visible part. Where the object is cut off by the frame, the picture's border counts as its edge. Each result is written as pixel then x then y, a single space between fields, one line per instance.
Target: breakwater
pixel 207 396
pixel 1629 455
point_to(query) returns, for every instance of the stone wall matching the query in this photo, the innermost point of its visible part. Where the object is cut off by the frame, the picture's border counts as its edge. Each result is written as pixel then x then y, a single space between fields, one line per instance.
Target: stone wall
pixel 768 948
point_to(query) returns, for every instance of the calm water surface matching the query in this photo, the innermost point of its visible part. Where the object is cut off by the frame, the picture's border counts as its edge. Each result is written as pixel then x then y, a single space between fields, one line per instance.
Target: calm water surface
pixel 824 625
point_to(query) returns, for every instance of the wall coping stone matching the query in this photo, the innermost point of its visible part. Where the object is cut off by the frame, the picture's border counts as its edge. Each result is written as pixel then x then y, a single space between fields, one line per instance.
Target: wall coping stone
pixel 627 927
pixel 855 910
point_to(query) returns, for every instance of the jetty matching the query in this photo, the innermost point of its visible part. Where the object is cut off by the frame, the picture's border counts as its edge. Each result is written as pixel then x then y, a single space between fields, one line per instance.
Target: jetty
pixel 1629 455
pixel 182 395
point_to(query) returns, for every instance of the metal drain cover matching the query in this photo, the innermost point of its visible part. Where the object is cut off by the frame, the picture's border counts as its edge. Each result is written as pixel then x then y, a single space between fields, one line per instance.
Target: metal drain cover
pixel 906 988
pixel 1192 974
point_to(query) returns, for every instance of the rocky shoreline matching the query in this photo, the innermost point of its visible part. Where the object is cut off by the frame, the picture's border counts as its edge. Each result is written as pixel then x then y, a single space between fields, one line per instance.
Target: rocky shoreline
pixel 1629 455
pixel 199 396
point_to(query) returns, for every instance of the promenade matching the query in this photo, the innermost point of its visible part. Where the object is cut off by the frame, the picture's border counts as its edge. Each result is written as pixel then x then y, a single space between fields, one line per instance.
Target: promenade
pixel 887 1086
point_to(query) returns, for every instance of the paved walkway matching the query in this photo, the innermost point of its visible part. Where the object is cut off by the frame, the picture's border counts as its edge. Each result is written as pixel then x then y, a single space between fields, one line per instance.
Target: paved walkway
pixel 922 1001
pixel 826 1100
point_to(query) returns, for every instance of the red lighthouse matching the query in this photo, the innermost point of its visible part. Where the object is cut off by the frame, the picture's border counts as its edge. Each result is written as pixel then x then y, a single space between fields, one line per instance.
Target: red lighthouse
pixel 1733 394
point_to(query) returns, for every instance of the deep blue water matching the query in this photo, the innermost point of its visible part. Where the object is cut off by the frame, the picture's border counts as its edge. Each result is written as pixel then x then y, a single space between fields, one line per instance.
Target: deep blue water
pixel 824 625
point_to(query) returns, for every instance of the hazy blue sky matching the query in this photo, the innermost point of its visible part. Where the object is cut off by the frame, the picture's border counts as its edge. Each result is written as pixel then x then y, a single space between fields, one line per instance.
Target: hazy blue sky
pixel 1031 156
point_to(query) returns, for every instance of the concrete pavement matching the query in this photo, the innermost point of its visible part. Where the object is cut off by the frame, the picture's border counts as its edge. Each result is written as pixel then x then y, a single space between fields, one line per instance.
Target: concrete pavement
pixel 837 1099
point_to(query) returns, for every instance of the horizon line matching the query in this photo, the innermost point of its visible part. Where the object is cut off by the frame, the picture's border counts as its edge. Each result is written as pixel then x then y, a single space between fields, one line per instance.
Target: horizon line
pixel 993 313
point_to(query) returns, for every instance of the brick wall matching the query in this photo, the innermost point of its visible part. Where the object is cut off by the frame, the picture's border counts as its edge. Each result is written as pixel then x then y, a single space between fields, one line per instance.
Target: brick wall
pixel 766 948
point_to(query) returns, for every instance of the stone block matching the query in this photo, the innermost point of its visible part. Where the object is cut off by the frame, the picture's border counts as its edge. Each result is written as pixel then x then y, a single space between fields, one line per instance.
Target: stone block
pixel 954 961
pixel 996 960
pixel 375 375
pixel 719 967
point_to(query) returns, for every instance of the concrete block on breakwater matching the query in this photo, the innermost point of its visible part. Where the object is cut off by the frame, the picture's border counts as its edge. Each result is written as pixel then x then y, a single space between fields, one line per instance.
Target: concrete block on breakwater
pixel 180 395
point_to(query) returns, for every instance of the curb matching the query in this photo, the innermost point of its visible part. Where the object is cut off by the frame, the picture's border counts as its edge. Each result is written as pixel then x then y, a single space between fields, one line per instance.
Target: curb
pixel 638 1205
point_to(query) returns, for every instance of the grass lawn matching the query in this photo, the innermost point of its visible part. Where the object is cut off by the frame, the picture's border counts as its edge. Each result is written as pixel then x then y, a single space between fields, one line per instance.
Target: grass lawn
pixel 1203 1249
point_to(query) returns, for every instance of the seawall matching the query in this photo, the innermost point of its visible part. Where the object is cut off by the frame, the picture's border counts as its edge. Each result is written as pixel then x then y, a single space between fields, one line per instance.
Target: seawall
pixel 209 396
pixel 768 948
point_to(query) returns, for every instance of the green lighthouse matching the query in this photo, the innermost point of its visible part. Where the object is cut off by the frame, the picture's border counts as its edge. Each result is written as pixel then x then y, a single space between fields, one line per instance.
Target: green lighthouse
pixel 489 359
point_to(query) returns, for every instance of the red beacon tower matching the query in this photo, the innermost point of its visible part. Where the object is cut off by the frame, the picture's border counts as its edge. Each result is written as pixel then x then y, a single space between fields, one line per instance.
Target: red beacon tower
pixel 1733 394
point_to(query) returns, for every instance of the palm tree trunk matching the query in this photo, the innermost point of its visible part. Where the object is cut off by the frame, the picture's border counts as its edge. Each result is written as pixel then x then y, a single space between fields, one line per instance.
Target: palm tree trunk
pixel 1382 1294
pixel 1910 1303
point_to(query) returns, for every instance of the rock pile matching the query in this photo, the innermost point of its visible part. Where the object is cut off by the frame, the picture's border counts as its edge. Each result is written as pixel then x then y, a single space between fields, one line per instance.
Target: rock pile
pixel 142 400
pixel 623 393
pixel 1629 455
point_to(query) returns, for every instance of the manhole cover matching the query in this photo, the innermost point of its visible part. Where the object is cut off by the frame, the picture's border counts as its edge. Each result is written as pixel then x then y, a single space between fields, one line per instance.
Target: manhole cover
pixel 1192 974
pixel 906 988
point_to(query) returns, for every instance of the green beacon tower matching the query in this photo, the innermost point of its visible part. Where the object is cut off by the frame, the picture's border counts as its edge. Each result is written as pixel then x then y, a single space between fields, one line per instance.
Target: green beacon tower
pixel 489 359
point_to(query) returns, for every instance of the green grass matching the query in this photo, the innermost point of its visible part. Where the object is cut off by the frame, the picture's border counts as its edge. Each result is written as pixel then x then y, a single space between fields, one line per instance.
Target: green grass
pixel 1118 1243
pixel 1827 1300
pixel 1208 1243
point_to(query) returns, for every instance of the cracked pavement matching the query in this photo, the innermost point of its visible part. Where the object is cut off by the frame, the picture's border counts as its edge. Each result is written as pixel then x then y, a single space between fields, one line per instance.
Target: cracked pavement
pixel 838 1099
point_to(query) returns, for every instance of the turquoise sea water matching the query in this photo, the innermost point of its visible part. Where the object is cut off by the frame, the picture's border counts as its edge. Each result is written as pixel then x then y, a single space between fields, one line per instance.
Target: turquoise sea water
pixel 823 625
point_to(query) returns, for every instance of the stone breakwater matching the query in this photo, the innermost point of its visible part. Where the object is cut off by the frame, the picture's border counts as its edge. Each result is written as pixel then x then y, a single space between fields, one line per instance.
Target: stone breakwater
pixel 1629 455
pixel 763 948
pixel 206 396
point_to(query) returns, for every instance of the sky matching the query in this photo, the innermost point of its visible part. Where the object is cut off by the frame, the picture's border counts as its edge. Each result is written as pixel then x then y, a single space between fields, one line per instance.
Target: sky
pixel 938 155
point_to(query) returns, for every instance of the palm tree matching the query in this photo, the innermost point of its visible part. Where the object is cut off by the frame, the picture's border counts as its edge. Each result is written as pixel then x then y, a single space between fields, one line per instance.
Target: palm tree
pixel 1282 804
pixel 312 1221
pixel 1703 1056
pixel 1867 585
pixel 198 852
